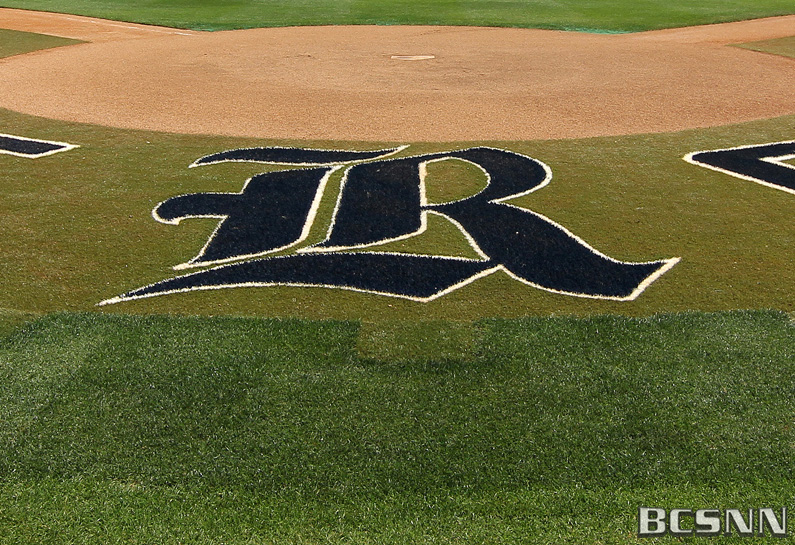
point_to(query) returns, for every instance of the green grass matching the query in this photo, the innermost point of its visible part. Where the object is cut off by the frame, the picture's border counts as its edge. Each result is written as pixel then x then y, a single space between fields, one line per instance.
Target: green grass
pixel 87 511
pixel 83 231
pixel 121 429
pixel 13 42
pixel 595 15
pixel 780 46
pixel 10 320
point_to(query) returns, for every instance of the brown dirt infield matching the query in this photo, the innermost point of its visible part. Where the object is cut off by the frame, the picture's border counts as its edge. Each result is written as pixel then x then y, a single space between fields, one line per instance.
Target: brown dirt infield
pixel 342 83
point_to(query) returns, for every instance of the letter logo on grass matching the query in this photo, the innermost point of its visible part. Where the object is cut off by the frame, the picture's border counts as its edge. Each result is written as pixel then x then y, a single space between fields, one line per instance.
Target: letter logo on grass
pixel 30 147
pixel 764 164
pixel 381 201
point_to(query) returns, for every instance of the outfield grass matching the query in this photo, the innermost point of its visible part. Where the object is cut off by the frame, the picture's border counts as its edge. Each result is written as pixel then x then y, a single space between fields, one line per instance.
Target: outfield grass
pixel 119 429
pixel 592 15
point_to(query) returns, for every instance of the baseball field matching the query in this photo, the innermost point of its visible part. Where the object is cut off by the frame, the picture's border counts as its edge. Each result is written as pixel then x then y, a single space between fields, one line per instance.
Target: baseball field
pixel 369 272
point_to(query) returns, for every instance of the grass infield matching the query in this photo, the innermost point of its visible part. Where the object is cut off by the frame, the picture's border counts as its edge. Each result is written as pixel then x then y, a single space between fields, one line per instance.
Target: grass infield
pixel 780 46
pixel 13 42
pixel 592 15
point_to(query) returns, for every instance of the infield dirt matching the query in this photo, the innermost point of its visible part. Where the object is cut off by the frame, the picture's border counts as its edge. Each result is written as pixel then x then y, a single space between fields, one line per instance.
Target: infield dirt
pixel 342 83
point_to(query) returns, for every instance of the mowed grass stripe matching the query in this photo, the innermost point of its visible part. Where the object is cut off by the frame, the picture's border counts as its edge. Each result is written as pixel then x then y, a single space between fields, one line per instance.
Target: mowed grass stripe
pixel 100 512
pixel 557 427
pixel 593 15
